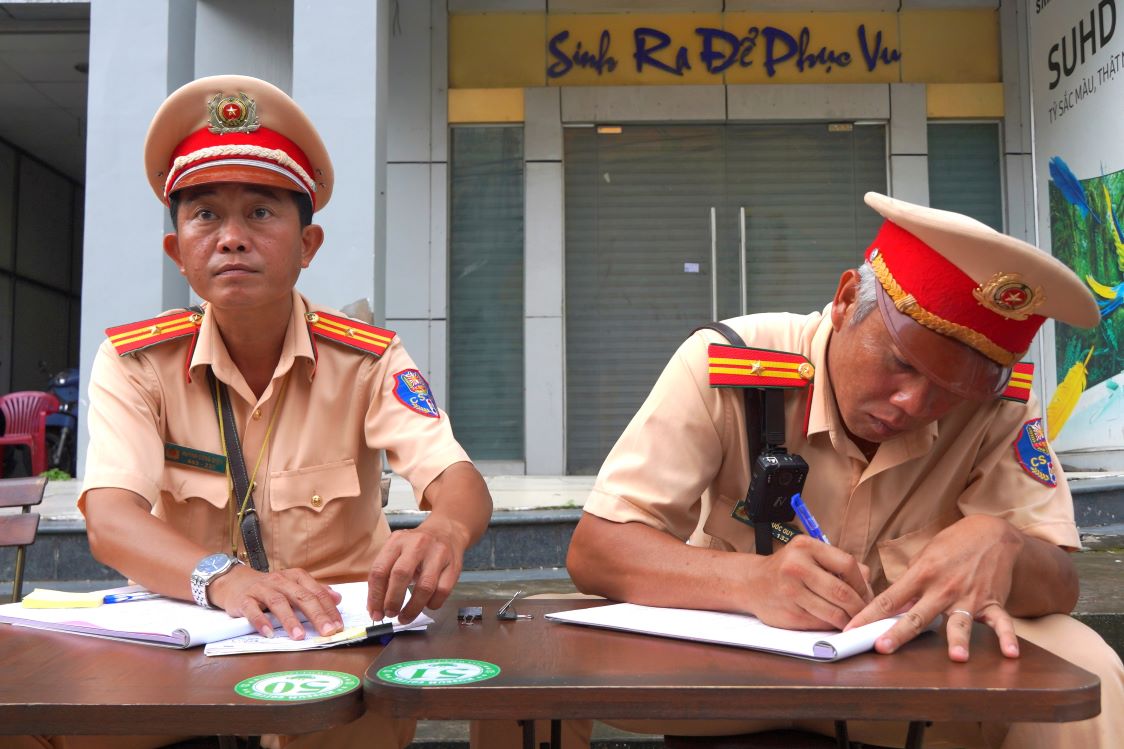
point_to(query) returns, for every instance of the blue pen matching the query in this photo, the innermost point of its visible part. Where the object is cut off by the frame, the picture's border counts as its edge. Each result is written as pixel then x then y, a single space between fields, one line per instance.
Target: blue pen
pixel 126 597
pixel 806 518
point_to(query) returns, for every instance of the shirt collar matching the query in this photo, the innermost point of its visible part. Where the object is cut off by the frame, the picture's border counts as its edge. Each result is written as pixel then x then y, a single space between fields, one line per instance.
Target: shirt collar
pixel 210 350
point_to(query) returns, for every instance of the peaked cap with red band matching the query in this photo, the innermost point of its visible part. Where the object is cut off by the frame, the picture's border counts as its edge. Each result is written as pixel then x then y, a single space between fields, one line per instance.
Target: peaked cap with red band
pixel 973 285
pixel 233 128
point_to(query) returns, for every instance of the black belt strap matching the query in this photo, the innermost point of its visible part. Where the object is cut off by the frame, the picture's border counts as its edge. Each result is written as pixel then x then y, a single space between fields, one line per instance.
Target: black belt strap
pixel 249 524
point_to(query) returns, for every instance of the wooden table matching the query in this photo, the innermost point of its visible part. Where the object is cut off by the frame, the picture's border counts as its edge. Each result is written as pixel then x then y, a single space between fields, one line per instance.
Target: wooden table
pixel 553 670
pixel 53 683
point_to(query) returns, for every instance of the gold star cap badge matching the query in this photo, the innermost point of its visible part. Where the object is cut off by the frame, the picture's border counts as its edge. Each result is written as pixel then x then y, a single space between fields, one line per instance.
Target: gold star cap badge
pixel 233 114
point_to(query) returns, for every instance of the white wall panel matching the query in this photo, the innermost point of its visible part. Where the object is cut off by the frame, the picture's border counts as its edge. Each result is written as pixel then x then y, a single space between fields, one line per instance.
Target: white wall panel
pixel 1019 181
pixel 642 103
pixel 542 128
pixel 250 37
pixel 408 119
pixel 438 241
pixel 407 241
pixel 908 119
pixel 909 178
pixel 415 337
pixel 439 361
pixel 545 365
pixel 763 102
pixel 439 82
pixel 543 244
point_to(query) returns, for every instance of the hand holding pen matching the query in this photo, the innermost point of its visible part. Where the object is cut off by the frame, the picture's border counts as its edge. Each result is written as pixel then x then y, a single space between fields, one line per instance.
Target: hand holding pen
pixel 809 522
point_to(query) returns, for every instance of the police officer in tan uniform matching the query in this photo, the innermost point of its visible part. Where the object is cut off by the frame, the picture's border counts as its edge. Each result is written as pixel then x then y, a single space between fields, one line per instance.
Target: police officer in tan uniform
pixel 929 471
pixel 314 399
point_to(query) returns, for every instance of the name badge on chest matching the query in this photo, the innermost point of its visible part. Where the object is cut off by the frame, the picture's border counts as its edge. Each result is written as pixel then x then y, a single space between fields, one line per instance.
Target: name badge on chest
pixel 192 458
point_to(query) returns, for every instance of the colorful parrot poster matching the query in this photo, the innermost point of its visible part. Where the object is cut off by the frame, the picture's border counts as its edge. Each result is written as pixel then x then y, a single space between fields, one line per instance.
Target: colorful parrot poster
pixel 1087 234
pixel 1077 97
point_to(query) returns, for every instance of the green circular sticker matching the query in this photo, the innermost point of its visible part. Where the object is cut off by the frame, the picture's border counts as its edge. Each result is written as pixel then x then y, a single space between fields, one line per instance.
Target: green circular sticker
pixel 291 686
pixel 438 673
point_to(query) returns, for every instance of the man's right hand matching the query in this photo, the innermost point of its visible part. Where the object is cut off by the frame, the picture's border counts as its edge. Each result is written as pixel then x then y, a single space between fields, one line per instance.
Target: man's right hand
pixel 246 592
pixel 807 584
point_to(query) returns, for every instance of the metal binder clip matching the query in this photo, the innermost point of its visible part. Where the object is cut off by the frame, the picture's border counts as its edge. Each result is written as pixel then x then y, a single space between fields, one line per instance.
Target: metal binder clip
pixel 507 613
pixel 469 614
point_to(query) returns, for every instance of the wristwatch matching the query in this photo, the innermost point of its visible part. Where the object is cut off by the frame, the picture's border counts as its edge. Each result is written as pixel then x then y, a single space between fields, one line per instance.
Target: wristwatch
pixel 209 568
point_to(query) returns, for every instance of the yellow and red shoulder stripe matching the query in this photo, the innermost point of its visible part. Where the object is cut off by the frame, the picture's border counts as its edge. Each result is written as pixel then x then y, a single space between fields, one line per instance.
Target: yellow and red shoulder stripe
pixel 1018 387
pixel 358 335
pixel 734 366
pixel 133 337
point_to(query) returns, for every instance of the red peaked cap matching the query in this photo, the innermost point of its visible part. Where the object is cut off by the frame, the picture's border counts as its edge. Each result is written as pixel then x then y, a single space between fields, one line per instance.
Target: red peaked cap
pixel 941 292
pixel 964 280
pixel 235 129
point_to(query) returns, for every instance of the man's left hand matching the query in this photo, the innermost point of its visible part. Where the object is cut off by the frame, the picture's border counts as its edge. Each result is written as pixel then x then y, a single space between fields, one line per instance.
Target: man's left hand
pixel 429 557
pixel 965 572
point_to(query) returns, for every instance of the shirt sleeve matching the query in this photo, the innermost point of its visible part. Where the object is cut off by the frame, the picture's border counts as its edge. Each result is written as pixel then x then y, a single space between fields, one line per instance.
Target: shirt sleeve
pixel 669 453
pixel 126 450
pixel 1018 477
pixel 404 420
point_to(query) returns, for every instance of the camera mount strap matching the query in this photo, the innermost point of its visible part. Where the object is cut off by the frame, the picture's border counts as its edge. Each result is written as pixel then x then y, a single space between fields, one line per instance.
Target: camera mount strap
pixel 764 376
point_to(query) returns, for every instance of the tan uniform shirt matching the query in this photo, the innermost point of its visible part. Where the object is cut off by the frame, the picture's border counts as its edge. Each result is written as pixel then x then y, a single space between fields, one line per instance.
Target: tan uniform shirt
pixel 681 464
pixel 318 483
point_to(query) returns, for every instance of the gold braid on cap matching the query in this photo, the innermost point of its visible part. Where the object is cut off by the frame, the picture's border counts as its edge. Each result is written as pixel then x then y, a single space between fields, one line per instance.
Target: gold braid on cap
pixel 908 305
pixel 275 155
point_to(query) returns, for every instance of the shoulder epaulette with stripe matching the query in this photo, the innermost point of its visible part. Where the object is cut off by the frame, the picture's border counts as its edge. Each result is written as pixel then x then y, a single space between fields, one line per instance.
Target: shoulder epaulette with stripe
pixel 133 337
pixel 735 366
pixel 358 335
pixel 1018 387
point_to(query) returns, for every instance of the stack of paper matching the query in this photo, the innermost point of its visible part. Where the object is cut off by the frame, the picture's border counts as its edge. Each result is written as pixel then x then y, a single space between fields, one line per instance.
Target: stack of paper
pixel 739 630
pixel 178 624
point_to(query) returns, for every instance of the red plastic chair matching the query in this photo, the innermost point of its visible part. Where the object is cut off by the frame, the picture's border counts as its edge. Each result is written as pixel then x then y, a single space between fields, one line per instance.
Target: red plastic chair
pixel 25 423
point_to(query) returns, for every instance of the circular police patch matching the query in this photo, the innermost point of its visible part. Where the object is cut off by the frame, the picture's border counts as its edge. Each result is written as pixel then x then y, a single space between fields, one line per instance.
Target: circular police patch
pixel 437 673
pixel 291 686
pixel 411 389
pixel 1032 452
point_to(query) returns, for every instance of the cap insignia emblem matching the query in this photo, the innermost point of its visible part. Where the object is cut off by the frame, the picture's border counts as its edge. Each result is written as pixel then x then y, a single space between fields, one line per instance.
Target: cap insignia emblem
pixel 233 114
pixel 1007 295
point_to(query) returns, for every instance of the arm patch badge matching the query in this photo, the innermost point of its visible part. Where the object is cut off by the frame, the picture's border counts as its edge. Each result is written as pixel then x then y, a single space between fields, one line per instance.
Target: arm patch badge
pixel 1032 452
pixel 412 391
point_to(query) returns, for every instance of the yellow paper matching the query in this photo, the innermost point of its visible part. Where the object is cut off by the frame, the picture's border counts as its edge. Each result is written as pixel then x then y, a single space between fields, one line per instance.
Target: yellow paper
pixel 45 598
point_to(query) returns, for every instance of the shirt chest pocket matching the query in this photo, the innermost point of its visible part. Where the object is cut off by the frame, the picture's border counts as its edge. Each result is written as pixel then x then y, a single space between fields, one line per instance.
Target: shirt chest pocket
pixel 315 488
pixel 723 531
pixel 896 554
pixel 182 483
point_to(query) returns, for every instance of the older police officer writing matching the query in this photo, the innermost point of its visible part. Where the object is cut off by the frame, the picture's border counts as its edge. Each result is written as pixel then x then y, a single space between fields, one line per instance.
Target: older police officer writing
pixel 261 380
pixel 928 470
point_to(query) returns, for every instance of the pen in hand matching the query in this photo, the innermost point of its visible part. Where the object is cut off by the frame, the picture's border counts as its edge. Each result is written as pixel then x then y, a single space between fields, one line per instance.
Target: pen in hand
pixel 807 520
pixel 126 597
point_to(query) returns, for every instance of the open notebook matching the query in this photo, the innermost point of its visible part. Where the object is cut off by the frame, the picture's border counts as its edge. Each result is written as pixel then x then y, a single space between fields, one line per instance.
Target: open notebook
pixel 178 624
pixel 739 630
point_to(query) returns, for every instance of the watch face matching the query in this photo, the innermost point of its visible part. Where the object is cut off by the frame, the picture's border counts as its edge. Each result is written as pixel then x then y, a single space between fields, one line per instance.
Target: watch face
pixel 213 563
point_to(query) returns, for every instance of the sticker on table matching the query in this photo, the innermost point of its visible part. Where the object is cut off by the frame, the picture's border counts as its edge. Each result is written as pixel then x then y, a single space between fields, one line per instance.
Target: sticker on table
pixel 292 686
pixel 438 673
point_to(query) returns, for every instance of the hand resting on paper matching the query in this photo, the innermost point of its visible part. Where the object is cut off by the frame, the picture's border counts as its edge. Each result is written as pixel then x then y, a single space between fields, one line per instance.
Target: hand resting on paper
pixel 980 568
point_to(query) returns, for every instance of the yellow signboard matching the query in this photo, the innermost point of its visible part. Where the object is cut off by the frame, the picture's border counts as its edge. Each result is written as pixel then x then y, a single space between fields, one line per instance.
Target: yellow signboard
pixel 815 48
pixel 627 49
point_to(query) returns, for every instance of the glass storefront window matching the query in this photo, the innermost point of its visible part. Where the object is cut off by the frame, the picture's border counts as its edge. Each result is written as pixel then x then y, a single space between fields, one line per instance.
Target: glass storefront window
pixel 486 291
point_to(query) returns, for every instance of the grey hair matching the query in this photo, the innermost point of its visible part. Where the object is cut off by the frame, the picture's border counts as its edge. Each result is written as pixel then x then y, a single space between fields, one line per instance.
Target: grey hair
pixel 867 296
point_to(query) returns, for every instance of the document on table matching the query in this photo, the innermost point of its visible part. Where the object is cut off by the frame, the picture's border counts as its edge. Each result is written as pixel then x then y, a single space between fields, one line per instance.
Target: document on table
pixel 738 630
pixel 356 621
pixel 172 623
